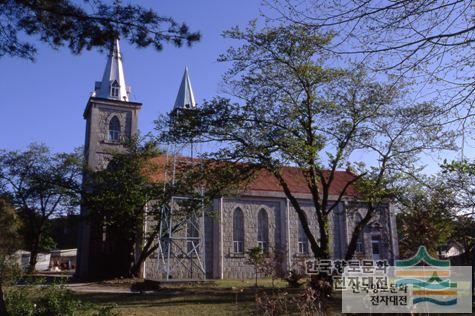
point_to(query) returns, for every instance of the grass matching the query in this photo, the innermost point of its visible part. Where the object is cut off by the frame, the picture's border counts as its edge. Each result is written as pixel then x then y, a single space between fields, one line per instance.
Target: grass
pixel 222 297
pixel 266 283
pixel 177 302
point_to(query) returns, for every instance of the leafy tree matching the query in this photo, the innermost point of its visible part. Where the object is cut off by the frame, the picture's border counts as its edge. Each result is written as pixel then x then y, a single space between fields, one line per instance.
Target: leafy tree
pixel 460 176
pixel 464 234
pixel 9 225
pixel 40 185
pixel 428 41
pixel 83 25
pixel 426 217
pixel 257 258
pixel 118 195
pixel 296 110
pixel 137 185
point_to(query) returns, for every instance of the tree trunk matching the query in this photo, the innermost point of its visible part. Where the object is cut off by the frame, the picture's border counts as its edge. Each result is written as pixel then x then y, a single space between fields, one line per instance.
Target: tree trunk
pixel 3 307
pixel 136 267
pixel 137 264
pixel 33 258
pixel 324 239
pixel 145 252
pixel 350 252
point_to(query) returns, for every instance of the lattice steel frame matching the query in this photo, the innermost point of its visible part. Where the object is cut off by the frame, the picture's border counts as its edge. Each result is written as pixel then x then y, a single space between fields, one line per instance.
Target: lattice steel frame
pixel 171 253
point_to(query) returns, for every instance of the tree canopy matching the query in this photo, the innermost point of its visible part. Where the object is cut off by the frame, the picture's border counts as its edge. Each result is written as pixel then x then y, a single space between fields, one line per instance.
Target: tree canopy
pixel 429 42
pixel 293 107
pixel 40 185
pixel 137 186
pixel 84 24
pixel 9 225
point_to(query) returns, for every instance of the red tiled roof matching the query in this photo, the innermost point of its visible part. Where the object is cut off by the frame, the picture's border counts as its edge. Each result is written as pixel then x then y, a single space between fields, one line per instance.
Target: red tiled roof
pixel 263 180
pixel 294 177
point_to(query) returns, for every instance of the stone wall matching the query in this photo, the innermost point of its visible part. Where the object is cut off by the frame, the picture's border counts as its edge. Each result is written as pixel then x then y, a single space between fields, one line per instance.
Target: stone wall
pixel 235 265
pixel 222 262
pixel 378 227
pixel 97 150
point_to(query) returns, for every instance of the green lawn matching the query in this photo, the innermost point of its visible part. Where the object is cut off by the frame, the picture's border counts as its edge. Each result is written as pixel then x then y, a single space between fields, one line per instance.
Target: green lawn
pixel 223 297
pixel 177 302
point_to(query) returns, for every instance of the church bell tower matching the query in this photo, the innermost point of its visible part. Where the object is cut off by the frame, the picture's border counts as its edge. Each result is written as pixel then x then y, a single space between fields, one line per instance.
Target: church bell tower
pixel 111 118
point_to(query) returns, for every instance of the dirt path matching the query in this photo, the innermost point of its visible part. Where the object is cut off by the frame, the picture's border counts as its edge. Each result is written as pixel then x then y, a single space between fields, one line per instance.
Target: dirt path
pixel 96 288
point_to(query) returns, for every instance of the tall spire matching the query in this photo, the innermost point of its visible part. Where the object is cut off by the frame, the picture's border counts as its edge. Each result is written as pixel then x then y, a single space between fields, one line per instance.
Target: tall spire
pixel 185 98
pixel 113 85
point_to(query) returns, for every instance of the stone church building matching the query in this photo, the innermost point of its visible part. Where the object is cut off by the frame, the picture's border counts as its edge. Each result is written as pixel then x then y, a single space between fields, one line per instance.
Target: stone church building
pixel 214 246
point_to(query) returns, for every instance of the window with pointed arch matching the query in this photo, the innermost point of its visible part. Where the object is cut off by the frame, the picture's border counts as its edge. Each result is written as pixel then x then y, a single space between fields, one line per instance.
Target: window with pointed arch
pixel 360 242
pixel 238 231
pixel 263 230
pixel 115 89
pixel 114 129
pixel 303 241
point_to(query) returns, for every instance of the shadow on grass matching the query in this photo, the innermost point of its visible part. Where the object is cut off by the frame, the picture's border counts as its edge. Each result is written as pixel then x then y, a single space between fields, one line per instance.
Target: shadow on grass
pixel 224 300
pixel 169 297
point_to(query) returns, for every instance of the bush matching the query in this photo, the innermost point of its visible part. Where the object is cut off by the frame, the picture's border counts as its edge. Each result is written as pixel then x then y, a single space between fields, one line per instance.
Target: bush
pixel 274 304
pixel 54 300
pixel 294 277
pixel 58 301
pixel 18 302
pixel 308 302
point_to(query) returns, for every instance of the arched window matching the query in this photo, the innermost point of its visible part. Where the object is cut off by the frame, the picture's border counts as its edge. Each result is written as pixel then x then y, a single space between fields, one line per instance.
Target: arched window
pixel 375 230
pixel 303 240
pixel 115 89
pixel 376 246
pixel 238 231
pixel 114 129
pixel 360 242
pixel 263 230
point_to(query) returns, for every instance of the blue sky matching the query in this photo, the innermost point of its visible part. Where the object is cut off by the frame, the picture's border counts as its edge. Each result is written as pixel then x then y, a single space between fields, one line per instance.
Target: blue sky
pixel 44 101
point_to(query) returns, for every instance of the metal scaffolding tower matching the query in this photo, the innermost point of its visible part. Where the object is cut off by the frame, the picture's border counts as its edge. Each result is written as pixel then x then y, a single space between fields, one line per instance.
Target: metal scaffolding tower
pixel 181 244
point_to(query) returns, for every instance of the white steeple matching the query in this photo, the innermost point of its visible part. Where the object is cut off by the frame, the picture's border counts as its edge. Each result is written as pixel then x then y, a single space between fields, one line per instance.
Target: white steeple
pixel 185 98
pixel 113 85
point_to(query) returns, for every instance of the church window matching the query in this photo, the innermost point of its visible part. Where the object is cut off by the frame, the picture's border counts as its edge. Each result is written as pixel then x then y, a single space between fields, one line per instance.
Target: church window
pixel 303 240
pixel 376 246
pixel 238 231
pixel 115 89
pixel 263 230
pixel 114 129
pixel 360 242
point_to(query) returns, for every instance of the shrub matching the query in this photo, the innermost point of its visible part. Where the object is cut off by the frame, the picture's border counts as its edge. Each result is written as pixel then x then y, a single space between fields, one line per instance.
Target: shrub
pixel 58 301
pixel 272 265
pixel 19 303
pixel 256 258
pixel 309 303
pixel 274 304
pixel 322 284
pixel 294 277
pixel 52 300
